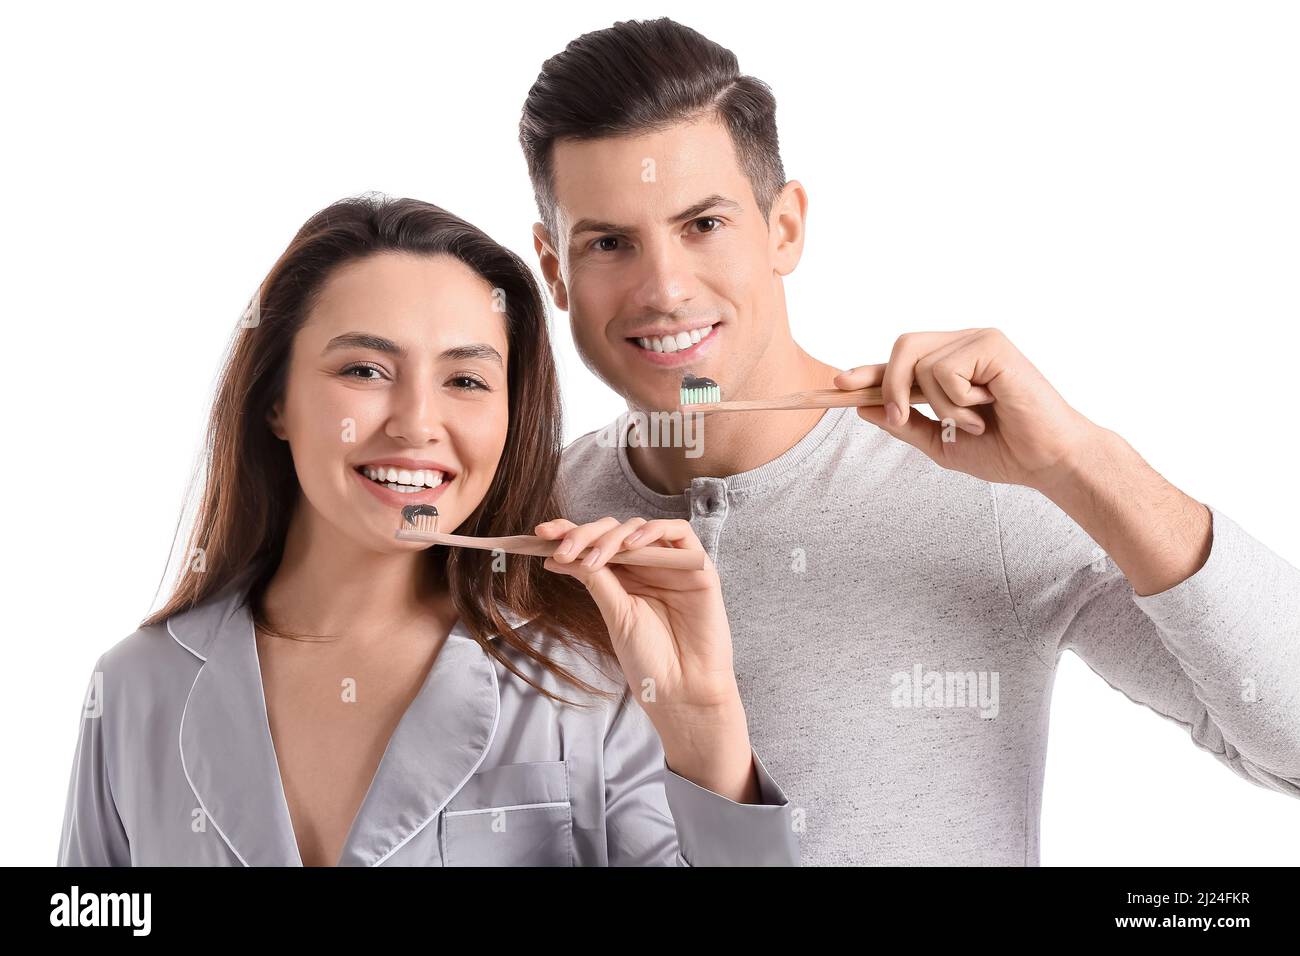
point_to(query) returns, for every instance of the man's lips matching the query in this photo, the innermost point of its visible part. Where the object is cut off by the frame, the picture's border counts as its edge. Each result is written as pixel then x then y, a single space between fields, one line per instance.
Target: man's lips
pixel 704 348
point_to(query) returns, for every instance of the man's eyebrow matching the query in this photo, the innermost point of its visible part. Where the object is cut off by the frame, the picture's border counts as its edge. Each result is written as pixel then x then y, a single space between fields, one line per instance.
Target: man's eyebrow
pixel 377 343
pixel 715 201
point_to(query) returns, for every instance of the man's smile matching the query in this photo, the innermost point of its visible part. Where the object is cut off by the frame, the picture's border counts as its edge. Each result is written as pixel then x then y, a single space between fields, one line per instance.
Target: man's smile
pixel 673 348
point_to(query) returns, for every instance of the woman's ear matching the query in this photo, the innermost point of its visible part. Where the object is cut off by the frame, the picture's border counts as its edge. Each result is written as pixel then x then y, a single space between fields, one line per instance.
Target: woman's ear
pixel 274 418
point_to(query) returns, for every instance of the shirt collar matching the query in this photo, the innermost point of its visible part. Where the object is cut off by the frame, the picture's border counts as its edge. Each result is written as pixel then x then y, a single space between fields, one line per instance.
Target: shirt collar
pixel 229 759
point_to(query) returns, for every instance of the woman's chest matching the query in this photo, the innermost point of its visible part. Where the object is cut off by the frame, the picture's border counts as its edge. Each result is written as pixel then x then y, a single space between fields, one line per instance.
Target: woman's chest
pixel 327 757
pixel 330 722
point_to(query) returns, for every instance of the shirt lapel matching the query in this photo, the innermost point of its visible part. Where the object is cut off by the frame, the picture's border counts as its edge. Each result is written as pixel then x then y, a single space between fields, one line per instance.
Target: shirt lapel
pixel 438 744
pixel 229 758
pixel 225 738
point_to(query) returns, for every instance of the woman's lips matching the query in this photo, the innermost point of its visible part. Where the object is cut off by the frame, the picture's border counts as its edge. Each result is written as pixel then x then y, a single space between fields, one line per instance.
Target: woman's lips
pixel 397 499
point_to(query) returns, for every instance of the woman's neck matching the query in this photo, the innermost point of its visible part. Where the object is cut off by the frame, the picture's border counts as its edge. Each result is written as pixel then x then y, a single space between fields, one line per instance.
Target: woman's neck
pixel 325 585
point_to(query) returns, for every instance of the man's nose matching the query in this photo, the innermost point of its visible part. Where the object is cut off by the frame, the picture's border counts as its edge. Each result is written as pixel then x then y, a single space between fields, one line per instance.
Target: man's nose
pixel 663 281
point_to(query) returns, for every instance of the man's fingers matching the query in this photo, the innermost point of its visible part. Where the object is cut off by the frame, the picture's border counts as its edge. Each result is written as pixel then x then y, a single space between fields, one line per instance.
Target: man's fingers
pixel 959 367
pixel 919 431
pixel 863 376
pixel 900 370
pixel 945 408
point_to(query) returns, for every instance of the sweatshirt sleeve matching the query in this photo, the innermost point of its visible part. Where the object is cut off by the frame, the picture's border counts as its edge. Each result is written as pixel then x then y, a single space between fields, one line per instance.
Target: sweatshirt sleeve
pixel 653 817
pixel 1218 653
pixel 93 834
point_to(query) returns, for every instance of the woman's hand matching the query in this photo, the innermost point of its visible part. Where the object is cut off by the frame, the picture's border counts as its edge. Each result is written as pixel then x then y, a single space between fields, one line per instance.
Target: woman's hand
pixel 670 633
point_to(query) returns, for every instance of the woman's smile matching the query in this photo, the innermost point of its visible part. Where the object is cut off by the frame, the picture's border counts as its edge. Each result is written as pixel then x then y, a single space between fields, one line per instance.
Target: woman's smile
pixel 398 487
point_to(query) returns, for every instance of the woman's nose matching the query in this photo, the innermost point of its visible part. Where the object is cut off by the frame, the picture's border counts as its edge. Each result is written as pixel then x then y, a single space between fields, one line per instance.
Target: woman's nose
pixel 417 414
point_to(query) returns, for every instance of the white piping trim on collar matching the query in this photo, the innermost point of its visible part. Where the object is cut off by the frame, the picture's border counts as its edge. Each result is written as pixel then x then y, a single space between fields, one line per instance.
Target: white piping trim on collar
pixel 181 749
pixel 496 720
pixel 182 643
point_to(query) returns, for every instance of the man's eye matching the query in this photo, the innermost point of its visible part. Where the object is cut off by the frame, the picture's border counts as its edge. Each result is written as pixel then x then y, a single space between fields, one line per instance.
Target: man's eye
pixel 712 219
pixel 604 239
pixel 347 372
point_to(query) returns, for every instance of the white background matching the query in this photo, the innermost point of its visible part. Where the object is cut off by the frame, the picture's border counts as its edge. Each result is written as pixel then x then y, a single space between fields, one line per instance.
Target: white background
pixel 1112 184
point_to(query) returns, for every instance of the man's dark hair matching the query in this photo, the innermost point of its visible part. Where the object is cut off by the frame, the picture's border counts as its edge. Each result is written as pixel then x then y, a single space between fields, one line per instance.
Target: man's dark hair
pixel 641 76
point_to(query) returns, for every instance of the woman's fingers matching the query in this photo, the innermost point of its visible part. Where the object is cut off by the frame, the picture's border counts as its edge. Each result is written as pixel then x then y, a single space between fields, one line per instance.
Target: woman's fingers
pixel 553 528
pixel 609 543
pixel 606 537
pixel 576 538
pixel 674 532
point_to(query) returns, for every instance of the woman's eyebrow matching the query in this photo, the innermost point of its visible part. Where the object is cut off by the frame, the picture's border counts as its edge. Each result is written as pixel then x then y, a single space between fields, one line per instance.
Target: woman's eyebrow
pixel 377 343
pixel 479 350
pixel 363 340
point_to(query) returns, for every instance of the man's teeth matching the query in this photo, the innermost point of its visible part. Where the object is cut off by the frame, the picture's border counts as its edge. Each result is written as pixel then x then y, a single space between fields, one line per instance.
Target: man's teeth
pixel 407 482
pixel 674 343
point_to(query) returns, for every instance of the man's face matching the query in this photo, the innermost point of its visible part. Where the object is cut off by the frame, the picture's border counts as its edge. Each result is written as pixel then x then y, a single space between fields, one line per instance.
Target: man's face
pixel 665 263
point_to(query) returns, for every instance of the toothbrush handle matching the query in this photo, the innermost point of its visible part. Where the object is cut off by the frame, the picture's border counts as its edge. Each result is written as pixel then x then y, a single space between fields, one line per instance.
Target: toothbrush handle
pixel 814 398
pixel 650 557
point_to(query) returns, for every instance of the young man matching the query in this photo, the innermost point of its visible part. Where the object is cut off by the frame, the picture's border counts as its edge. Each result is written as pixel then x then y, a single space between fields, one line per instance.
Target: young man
pixel 900 589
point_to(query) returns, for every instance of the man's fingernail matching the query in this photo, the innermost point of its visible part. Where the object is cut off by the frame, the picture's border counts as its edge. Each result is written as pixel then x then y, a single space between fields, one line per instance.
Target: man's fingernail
pixel 893 414
pixel 590 560
pixel 565 549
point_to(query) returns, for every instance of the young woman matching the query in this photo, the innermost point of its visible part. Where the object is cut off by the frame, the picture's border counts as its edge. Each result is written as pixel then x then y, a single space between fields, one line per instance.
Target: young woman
pixel 317 692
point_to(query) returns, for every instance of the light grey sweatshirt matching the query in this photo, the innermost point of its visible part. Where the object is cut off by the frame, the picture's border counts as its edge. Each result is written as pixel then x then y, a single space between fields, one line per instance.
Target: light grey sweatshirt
pixel 897 627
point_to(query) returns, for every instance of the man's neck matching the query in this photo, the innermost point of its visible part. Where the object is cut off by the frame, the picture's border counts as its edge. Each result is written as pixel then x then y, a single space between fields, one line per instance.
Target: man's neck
pixel 735 442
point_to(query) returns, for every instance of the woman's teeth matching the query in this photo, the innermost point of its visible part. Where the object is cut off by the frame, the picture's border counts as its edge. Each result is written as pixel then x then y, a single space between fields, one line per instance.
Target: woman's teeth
pixel 674 343
pixel 407 482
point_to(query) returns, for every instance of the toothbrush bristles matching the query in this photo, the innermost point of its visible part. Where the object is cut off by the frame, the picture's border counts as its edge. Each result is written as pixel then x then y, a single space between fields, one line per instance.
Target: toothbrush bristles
pixel 697 391
pixel 421 517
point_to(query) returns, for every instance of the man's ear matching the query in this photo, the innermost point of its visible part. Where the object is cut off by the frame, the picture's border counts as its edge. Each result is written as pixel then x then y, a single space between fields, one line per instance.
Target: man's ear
pixel 274 418
pixel 549 261
pixel 787 223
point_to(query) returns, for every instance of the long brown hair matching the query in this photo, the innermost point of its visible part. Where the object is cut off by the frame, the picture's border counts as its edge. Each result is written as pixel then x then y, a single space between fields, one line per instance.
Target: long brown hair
pixel 250 488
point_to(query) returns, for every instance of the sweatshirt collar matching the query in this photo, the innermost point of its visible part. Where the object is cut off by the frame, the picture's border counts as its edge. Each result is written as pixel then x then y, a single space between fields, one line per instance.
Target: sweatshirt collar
pixel 787 463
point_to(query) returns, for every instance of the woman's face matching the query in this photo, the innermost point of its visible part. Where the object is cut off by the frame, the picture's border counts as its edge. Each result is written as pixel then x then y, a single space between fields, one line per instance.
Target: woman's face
pixel 400 366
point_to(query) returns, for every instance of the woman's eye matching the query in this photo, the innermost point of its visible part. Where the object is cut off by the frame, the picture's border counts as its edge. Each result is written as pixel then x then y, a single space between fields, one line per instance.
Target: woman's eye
pixel 347 372
pixel 472 382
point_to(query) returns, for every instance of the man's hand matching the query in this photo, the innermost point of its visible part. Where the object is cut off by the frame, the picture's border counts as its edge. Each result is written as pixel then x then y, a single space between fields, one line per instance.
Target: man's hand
pixel 1015 429
pixel 999 418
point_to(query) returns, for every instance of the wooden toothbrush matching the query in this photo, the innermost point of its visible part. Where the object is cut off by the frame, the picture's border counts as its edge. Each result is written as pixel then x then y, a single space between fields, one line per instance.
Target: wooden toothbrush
pixel 704 395
pixel 420 523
